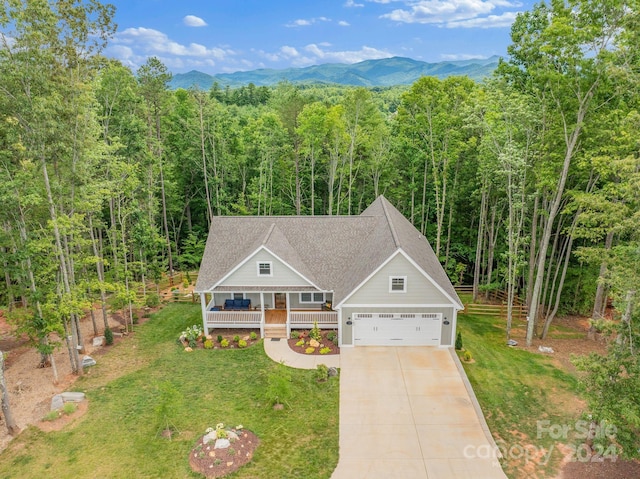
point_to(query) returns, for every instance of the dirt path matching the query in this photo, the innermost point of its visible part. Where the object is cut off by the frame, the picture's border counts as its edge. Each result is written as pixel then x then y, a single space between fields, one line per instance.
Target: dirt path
pixel 30 387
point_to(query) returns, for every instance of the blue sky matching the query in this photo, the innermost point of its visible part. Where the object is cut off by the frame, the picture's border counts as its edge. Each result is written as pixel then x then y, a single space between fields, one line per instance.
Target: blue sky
pixel 220 36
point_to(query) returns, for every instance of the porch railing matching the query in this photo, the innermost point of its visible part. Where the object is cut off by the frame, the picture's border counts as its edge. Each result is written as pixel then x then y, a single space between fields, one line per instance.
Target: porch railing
pixel 306 319
pixel 233 319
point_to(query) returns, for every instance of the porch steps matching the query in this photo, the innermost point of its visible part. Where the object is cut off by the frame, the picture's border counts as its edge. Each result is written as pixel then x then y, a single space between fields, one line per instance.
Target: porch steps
pixel 275 330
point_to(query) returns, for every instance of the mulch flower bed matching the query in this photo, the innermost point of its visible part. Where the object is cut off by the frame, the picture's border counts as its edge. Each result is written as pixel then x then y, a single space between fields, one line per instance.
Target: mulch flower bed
pixel 212 463
pixel 303 343
pixel 224 339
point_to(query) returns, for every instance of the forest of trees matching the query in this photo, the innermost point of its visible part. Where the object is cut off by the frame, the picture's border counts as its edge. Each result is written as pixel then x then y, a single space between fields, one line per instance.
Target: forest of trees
pixel 529 182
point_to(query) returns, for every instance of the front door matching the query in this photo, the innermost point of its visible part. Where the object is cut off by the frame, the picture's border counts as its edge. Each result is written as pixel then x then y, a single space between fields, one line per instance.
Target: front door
pixel 281 300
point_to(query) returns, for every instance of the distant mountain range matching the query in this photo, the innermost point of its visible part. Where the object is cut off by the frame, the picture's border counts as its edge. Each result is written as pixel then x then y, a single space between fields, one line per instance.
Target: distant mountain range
pixel 384 72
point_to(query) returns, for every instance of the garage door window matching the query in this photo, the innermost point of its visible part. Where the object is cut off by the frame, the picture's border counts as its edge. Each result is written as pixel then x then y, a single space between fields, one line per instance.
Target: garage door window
pixel 397 284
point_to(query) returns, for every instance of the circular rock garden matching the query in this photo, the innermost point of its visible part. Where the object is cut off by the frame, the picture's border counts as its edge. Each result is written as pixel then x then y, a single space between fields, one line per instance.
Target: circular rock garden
pixel 222 451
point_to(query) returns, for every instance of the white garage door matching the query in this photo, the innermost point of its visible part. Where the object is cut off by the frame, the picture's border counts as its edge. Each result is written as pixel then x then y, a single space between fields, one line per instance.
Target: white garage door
pixel 397 329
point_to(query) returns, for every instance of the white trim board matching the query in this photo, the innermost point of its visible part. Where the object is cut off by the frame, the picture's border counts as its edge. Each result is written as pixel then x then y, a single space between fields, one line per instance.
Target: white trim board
pixel 369 305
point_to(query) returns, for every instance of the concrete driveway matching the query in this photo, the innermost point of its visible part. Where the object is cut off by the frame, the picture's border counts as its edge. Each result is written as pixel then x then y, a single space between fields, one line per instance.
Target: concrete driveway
pixel 405 412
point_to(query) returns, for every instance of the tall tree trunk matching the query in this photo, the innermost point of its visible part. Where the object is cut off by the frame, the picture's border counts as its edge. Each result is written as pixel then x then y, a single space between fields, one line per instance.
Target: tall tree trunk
pixel 100 271
pixel 572 141
pixel 76 364
pixel 479 241
pixel 491 241
pixel 203 152
pixel 532 251
pixel 553 313
pixel 450 219
pixel 313 181
pixel 12 427
pixel 166 223
pixel 626 320
pixel 599 301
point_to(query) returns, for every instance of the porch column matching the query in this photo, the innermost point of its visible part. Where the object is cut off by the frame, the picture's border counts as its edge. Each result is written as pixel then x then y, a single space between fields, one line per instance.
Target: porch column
pixel 203 307
pixel 288 322
pixel 261 314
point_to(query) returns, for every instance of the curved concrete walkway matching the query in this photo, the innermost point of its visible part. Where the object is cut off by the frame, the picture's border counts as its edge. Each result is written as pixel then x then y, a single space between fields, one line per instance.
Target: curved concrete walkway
pixel 279 351
pixel 405 412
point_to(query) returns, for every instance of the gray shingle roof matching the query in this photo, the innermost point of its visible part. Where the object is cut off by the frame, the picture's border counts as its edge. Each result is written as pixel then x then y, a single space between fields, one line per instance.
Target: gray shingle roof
pixel 336 253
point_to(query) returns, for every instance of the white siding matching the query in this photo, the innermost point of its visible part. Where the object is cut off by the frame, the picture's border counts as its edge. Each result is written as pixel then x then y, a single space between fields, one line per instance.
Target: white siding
pixel 419 289
pixel 247 274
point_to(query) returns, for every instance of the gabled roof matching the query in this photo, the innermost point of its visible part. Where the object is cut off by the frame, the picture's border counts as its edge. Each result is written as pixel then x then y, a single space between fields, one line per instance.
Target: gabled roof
pixel 336 253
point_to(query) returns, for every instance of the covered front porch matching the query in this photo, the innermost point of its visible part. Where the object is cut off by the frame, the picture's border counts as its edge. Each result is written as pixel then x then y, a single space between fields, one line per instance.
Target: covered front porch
pixel 274 311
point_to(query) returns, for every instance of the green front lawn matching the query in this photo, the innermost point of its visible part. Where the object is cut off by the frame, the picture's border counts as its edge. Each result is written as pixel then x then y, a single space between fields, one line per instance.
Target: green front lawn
pixel 118 436
pixel 516 389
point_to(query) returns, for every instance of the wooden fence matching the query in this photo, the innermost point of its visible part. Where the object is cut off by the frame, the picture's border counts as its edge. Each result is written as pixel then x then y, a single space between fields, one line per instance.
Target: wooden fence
pixel 519 308
pixel 170 288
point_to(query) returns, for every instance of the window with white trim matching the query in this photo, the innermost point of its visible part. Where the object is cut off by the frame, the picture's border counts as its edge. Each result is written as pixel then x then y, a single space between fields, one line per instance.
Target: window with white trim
pixel 265 268
pixel 312 297
pixel 397 284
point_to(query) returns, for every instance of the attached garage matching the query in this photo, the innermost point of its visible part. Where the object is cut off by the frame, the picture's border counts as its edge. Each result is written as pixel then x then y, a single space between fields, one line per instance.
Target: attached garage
pixel 397 329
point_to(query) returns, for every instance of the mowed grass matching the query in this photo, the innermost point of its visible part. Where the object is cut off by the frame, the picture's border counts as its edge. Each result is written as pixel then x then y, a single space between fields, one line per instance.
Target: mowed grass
pixel 516 389
pixel 118 436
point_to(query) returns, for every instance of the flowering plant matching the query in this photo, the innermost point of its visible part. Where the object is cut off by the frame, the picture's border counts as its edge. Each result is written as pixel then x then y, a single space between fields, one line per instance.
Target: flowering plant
pixel 191 334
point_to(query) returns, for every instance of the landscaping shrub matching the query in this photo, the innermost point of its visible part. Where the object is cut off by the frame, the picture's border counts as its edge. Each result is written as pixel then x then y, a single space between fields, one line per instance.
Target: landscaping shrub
pixel 253 336
pixel 325 350
pixel 153 300
pixel 315 332
pixel 459 341
pixel 309 350
pixel 236 338
pixel 467 356
pixel 242 343
pixel 224 343
pixel 69 408
pixel 321 372
pixel 51 416
pixel 219 338
pixel 332 336
pixel 108 336
pixel 300 343
pixel 208 344
pixel 295 334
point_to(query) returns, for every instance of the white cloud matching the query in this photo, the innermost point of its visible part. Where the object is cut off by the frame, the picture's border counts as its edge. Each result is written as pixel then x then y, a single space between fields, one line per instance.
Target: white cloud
pixel 454 13
pixel 134 45
pixel 303 22
pixel 491 21
pixel 461 56
pixel 352 4
pixel 342 23
pixel 289 52
pixel 316 53
pixel 348 56
pixel 193 21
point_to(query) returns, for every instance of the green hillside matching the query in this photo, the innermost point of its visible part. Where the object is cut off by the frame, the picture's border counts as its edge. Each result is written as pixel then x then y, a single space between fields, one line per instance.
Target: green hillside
pixel 384 72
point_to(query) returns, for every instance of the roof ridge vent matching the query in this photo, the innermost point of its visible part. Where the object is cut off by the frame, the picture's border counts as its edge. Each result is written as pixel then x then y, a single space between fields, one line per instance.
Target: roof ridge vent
pixel 396 241
pixel 266 238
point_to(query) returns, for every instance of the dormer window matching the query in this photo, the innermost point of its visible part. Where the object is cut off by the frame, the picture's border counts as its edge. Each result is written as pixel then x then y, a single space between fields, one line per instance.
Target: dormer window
pixel 264 268
pixel 397 284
